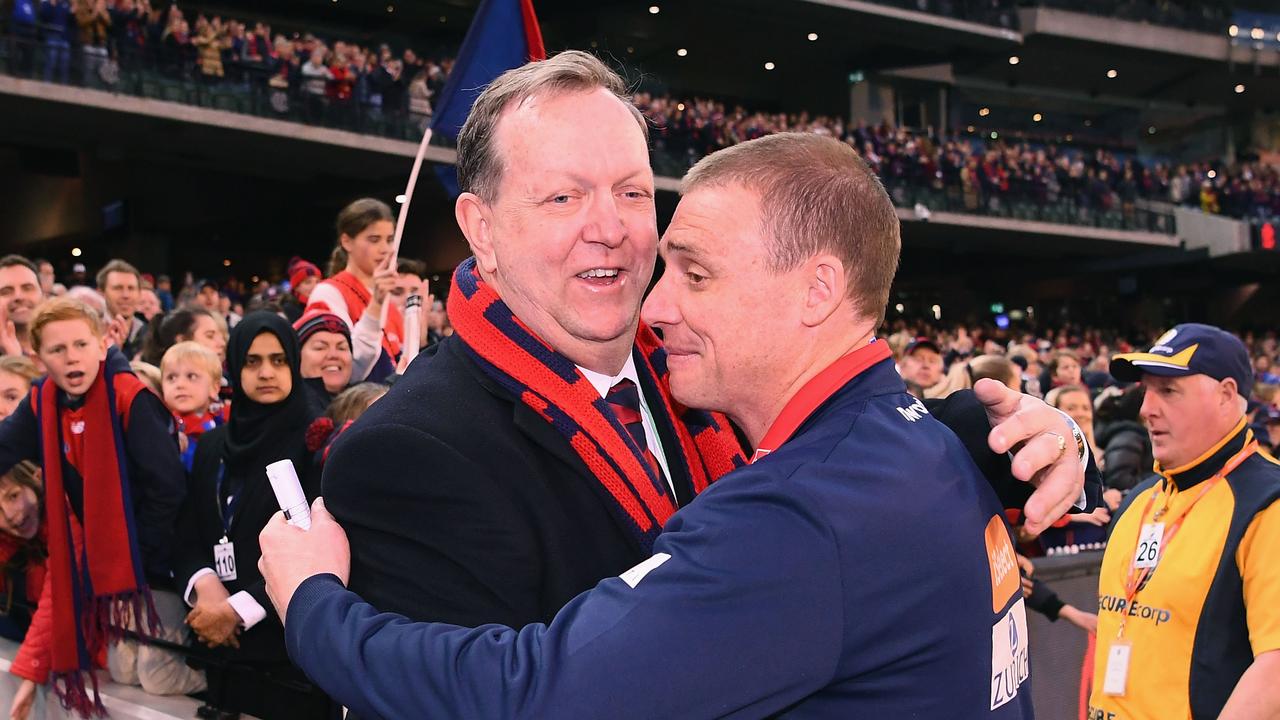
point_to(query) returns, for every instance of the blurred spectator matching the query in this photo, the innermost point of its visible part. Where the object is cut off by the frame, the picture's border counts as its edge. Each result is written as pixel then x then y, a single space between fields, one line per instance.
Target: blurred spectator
pixel 93 299
pixel 409 281
pixel 1063 369
pixel 957 377
pixel 149 305
pixel 94 25
pixel 23 548
pixel 1028 362
pixel 208 43
pixel 44 269
pixel 303 277
pixel 56 21
pixel 23 24
pixel 207 295
pixel 229 310
pixel 1268 418
pixel 79 276
pixel 147 373
pixel 22 553
pixel 316 77
pixel 1263 370
pixel 1074 400
pixel 187 324
pixel 419 100
pixel 349 405
pixel 921 365
pixel 1123 442
pixel 17 372
pixel 19 295
pixel 438 327
pixel 120 283
pixel 996 367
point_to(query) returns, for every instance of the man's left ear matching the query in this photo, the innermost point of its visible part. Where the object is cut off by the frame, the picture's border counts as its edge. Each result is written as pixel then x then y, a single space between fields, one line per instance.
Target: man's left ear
pixel 825 288
pixel 1229 386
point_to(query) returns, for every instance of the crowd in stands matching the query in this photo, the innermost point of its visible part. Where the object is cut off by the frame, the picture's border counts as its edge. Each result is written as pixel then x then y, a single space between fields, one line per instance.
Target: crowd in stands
pixel 976 172
pixel 376 89
pixel 323 80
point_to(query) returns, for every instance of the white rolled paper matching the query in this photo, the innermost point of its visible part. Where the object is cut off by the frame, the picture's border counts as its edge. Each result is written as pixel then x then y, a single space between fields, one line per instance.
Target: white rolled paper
pixel 412 327
pixel 289 495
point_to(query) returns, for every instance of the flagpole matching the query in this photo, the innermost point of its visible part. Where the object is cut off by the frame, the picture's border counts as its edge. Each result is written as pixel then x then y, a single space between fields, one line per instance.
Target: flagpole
pixel 404 213
pixel 408 195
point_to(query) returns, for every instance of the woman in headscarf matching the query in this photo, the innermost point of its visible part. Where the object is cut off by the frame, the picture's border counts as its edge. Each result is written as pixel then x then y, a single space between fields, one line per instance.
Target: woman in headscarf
pixel 229 501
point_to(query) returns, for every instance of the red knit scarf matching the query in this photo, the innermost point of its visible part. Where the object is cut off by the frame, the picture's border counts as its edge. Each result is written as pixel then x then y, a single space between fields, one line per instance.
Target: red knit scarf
pixel 551 384
pixel 358 298
pixel 193 425
pixel 95 594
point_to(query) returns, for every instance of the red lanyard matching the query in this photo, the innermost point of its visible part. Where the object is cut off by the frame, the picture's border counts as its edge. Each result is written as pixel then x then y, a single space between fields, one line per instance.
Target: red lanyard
pixel 1133 580
pixel 815 392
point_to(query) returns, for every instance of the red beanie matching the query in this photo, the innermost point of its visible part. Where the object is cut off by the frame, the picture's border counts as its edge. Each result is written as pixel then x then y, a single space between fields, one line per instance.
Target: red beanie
pixel 299 271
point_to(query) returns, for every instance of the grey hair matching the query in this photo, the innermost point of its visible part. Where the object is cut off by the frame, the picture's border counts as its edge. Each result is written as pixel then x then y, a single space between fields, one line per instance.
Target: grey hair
pixel 479 164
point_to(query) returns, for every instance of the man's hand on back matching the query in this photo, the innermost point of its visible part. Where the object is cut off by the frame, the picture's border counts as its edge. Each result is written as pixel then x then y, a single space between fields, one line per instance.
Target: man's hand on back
pixel 1034 432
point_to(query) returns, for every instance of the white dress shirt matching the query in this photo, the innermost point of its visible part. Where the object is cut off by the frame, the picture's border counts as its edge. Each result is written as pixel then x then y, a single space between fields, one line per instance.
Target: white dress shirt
pixel 250 612
pixel 603 383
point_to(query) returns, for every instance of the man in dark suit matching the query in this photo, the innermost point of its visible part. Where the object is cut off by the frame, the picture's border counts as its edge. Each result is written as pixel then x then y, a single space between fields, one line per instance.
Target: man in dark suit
pixel 538 451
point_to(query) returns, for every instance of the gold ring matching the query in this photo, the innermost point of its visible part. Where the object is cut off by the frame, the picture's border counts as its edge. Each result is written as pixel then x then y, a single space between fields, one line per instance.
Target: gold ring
pixel 1062 445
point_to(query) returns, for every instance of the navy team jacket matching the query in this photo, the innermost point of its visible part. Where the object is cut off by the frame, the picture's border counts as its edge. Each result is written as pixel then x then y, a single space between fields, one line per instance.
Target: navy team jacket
pixel 862 570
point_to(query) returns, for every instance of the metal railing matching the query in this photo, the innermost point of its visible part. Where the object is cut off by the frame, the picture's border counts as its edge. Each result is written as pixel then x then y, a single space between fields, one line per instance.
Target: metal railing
pixel 174 74
pixel 1027 206
pixel 1196 15
pixel 999 13
pixel 215 665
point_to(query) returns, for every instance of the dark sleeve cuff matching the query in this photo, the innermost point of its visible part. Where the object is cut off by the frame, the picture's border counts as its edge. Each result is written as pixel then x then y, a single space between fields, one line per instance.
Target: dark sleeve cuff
pixel 309 595
pixel 1044 600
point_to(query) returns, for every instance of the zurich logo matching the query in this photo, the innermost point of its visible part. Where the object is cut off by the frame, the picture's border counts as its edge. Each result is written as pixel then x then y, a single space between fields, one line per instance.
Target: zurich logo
pixel 1013 635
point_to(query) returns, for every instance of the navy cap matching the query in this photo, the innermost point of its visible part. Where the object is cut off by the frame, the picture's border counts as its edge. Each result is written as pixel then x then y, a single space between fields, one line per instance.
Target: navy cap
pixel 918 343
pixel 1190 349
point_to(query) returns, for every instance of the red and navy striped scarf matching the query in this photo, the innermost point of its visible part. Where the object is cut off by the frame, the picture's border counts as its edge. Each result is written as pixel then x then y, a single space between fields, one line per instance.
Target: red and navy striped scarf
pixel 522 363
pixel 99 586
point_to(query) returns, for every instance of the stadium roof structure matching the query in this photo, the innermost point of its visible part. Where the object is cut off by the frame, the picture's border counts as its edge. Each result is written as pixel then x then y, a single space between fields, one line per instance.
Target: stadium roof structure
pixel 1154 75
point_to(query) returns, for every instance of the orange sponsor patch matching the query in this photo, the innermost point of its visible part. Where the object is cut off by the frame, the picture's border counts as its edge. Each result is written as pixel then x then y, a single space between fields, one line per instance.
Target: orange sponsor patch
pixel 1005 580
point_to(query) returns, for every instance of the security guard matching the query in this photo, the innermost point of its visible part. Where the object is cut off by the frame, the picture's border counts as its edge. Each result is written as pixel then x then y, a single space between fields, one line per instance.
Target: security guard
pixel 1189 594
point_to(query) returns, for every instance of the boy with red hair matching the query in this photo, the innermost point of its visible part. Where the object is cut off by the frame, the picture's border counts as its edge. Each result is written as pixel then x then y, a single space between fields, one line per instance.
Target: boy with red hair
pixel 113 484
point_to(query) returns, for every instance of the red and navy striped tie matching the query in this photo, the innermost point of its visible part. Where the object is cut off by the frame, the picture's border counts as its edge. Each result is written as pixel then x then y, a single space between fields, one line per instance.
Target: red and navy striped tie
pixel 624 398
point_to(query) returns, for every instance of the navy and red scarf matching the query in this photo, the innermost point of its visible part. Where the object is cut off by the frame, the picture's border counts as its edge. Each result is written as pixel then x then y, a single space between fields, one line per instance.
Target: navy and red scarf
pixel 100 585
pixel 551 384
pixel 193 425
